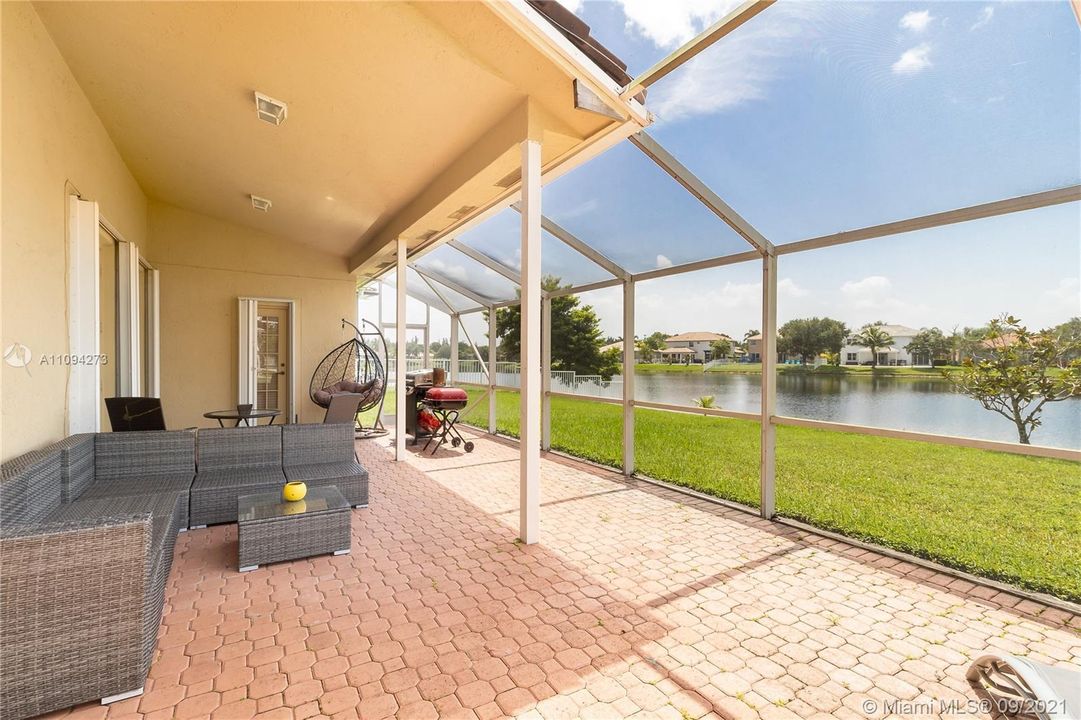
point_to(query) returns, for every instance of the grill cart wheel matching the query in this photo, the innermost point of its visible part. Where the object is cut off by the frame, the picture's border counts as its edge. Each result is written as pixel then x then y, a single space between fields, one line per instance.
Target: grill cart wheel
pixel 469 446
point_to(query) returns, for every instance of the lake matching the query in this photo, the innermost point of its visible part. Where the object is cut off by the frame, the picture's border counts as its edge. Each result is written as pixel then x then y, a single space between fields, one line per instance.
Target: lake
pixel 924 405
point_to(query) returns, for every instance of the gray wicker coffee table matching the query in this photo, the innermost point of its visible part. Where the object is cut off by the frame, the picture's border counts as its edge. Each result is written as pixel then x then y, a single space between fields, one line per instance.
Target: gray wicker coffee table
pixel 271 530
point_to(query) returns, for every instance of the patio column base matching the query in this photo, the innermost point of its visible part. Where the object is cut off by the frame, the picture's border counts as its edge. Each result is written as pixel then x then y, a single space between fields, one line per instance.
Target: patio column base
pixel 122 696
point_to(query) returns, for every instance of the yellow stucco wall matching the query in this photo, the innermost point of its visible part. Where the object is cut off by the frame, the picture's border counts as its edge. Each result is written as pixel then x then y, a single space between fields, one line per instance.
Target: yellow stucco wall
pixel 52 144
pixel 205 266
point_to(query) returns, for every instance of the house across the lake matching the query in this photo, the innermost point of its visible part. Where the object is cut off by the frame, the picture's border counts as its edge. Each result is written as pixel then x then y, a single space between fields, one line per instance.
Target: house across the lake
pixel 618 346
pixel 894 354
pixel 699 343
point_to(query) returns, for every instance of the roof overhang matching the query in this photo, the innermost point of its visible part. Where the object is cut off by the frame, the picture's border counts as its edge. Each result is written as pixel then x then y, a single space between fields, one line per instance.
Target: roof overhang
pixel 404 118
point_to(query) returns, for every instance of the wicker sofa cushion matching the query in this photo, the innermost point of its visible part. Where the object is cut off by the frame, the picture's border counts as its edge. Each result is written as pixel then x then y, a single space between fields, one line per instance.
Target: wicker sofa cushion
pixel 214 493
pixel 162 509
pixel 239 447
pixel 76 465
pixel 152 486
pixel 307 444
pixel 30 487
pixel 349 477
pixel 129 455
pixel 324 471
pixel 238 477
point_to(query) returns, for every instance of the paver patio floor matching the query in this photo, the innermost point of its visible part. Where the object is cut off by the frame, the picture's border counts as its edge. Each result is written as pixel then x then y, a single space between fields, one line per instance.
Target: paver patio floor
pixel 638 601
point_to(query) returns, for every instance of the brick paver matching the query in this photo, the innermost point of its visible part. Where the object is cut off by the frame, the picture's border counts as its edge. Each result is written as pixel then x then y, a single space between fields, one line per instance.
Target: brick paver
pixel 638 601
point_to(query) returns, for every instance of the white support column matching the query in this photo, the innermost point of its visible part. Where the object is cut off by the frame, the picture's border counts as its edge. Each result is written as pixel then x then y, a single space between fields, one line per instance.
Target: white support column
pixel 546 373
pixel 455 318
pixel 628 377
pixel 529 422
pixel 491 368
pixel 399 354
pixel 768 465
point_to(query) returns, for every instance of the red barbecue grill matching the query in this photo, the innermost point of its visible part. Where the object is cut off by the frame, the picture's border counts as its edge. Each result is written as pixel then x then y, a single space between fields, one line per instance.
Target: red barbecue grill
pixel 446 403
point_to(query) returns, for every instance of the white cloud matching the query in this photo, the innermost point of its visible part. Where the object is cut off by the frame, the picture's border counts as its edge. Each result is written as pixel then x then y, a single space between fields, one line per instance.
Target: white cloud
pixel 986 13
pixel 583 208
pixel 673 22
pixel 874 299
pixel 737 70
pixel 913 60
pixel 453 272
pixel 663 261
pixel 787 287
pixel 1064 299
pixel 916 20
pixel 573 5
pixel 867 291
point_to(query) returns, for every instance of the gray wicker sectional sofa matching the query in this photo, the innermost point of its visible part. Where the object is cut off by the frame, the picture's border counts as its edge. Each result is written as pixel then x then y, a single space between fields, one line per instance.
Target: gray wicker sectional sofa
pixel 87 528
pixel 87 535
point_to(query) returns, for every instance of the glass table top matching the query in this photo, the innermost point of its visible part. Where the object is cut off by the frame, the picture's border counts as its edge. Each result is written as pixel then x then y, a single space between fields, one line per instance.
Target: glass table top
pixel 267 506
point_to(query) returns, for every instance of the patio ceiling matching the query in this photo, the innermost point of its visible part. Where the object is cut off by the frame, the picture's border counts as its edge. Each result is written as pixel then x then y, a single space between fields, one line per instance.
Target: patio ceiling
pixel 401 115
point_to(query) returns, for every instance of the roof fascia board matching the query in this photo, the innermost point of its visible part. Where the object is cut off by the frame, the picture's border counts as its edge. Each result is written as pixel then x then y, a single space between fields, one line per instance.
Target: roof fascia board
pixel 543 36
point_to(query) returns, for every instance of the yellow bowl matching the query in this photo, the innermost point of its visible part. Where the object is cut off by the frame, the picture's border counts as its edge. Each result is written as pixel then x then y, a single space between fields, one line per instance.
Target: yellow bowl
pixel 294 491
pixel 296 507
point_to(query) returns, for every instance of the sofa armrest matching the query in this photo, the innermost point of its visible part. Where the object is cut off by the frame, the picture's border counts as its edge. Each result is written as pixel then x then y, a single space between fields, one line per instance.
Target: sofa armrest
pixel 73 601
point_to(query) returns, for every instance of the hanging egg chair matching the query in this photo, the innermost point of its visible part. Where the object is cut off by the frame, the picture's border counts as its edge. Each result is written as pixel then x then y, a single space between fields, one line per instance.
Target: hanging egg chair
pixel 357 366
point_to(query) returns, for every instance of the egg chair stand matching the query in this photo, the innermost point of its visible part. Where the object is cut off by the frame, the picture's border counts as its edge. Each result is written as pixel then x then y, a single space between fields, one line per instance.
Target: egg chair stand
pixel 357 366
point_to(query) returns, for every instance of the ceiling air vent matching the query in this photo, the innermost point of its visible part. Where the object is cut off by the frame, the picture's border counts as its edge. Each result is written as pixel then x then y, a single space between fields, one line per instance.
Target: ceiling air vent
pixel 270 110
pixel 463 211
pixel 428 235
pixel 509 180
pixel 260 203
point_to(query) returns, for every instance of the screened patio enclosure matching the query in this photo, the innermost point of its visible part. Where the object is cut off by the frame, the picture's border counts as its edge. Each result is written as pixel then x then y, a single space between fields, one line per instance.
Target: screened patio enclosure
pixel 691 194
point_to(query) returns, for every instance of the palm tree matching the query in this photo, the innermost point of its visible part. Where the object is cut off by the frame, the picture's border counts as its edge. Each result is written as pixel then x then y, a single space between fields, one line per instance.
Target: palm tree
pixel 874 338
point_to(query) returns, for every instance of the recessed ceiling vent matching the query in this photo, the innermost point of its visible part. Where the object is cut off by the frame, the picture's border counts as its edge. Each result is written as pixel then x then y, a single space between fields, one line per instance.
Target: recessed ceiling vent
pixel 270 110
pixel 463 211
pixel 428 235
pixel 510 179
pixel 260 203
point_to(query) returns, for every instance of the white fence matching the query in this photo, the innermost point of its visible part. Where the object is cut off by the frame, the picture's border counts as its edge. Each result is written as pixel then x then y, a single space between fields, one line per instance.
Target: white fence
pixel 509 374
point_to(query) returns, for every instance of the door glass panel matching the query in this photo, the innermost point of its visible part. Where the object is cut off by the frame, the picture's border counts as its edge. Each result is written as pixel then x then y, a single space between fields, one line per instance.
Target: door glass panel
pixel 144 329
pixel 107 315
pixel 269 336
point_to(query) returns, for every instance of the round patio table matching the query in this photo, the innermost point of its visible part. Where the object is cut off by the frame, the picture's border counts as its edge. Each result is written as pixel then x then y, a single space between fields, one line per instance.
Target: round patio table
pixel 222 415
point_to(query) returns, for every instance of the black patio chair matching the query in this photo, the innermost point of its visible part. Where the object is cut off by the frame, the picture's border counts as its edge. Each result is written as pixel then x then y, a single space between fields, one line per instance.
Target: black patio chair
pixel 135 413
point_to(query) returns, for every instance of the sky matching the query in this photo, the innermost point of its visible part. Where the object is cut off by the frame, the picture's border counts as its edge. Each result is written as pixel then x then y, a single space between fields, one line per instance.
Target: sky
pixel 818 117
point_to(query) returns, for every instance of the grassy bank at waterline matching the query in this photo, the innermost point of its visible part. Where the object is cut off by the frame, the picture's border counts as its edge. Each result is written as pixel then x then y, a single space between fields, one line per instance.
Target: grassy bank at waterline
pixel 1006 517
pixel 756 369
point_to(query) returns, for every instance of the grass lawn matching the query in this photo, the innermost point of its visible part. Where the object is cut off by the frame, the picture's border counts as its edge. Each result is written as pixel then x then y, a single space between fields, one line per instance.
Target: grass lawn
pixel 1007 517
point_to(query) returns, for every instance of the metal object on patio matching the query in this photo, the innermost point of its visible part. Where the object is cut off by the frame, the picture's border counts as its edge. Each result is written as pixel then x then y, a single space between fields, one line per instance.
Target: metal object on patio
pixel 446 403
pixel 1021 687
pixel 247 417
